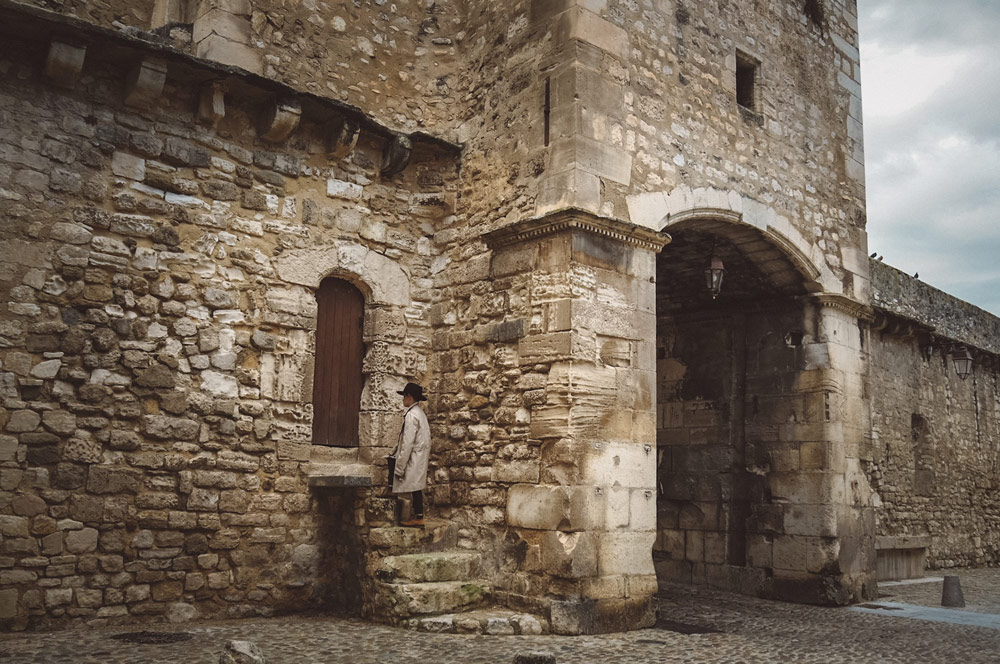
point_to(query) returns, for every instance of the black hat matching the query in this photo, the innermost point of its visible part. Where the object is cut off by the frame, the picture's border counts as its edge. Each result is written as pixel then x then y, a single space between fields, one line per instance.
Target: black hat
pixel 414 391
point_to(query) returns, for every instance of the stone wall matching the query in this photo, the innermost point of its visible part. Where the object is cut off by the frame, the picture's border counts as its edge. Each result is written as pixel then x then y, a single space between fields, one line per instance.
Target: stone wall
pixel 156 341
pixel 935 462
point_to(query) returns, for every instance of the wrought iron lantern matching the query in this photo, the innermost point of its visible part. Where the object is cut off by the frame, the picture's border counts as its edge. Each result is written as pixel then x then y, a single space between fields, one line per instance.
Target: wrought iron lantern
pixel 713 275
pixel 963 362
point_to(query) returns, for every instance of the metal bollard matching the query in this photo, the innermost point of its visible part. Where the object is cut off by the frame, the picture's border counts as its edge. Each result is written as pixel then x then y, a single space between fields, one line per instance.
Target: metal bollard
pixel 952 593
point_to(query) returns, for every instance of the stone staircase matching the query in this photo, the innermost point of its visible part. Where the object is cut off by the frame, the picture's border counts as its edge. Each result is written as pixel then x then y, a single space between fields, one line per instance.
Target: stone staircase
pixel 423 582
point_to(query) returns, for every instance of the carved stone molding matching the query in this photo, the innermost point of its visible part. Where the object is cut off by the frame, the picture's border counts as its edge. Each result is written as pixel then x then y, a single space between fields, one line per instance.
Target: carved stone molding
pixel 212 104
pixel 64 63
pixel 341 136
pixel 280 120
pixel 396 155
pixel 845 304
pixel 145 82
pixel 576 219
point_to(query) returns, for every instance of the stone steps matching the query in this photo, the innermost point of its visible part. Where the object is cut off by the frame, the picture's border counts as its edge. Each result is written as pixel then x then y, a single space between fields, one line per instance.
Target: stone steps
pixel 492 621
pixel 428 567
pixel 404 600
pixel 437 535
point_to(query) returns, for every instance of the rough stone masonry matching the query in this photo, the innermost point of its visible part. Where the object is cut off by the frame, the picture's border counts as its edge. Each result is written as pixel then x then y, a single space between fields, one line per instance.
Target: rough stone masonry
pixel 524 197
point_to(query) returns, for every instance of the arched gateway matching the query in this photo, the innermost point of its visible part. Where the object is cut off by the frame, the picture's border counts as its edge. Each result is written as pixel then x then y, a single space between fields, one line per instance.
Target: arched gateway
pixel 760 416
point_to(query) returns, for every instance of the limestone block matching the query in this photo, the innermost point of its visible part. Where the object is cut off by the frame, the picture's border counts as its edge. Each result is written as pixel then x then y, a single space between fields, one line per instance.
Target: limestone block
pixel 219 384
pixel 759 551
pixel 128 166
pixel 212 104
pixel 516 471
pixel 593 157
pixel 81 541
pixel 586 26
pixel 642 509
pixel 64 63
pixel 805 554
pixel 813 520
pixel 514 259
pixel 622 464
pixel 536 348
pixel 648 209
pixel 571 188
pixel 145 82
pixel 395 155
pixel 569 555
pixel 542 10
pixel 547 507
pixel 604 586
pixel 801 488
pixel 242 652
pixel 341 136
pixel 229 52
pixel 217 21
pixel 280 119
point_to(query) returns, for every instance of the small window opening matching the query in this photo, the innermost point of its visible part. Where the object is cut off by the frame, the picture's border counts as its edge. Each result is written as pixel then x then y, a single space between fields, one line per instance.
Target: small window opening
pixel 814 11
pixel 794 338
pixel 546 111
pixel 746 81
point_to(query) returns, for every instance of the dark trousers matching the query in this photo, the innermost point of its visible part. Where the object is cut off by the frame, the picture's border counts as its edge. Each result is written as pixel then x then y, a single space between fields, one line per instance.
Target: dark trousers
pixel 418 503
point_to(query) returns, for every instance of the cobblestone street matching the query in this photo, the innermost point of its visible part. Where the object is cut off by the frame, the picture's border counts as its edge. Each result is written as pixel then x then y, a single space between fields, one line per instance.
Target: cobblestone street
pixel 747 630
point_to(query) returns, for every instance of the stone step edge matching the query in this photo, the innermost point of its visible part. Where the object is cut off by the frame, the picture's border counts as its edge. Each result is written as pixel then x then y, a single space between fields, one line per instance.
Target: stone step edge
pixel 477 592
pixel 386 573
pixel 480 621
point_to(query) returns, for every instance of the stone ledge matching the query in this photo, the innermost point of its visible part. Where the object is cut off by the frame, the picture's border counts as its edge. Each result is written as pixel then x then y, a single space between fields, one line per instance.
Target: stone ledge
pixel 889 542
pixel 338 476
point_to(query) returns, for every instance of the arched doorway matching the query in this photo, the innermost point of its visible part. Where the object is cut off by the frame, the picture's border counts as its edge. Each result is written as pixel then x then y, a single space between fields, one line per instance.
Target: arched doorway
pixel 745 475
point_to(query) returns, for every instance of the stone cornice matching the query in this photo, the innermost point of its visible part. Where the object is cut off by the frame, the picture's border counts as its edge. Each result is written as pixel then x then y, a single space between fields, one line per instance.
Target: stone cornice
pixel 42 25
pixel 844 304
pixel 576 219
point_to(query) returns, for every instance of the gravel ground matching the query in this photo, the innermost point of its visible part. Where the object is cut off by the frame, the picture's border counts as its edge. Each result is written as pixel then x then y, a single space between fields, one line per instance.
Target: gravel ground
pixel 738 629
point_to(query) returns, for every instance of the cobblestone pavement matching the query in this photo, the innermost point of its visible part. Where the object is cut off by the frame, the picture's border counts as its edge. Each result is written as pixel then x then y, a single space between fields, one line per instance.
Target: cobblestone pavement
pixel 980 587
pixel 750 630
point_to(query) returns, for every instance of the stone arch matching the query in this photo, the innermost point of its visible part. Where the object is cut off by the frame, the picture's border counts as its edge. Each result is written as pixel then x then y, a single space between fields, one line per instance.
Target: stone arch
pixel 683 205
pixel 745 400
pixel 382 281
pixel 730 224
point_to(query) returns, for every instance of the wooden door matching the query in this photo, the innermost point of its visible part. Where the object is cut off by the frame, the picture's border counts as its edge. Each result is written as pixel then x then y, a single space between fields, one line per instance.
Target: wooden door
pixel 337 380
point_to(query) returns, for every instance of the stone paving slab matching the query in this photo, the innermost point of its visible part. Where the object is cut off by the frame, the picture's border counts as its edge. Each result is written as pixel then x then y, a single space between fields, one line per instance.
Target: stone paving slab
pixel 748 630
pixel 930 613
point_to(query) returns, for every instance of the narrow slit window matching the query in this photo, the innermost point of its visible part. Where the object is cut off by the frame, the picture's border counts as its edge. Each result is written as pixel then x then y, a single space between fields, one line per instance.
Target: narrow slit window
pixel 746 81
pixel 546 110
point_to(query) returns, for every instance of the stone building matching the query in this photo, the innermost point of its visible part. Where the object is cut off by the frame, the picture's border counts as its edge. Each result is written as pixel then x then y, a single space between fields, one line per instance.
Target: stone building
pixel 232 229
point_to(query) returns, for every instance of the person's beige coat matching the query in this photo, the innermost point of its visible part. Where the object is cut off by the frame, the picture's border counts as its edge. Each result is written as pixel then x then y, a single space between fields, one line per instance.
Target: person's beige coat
pixel 412 452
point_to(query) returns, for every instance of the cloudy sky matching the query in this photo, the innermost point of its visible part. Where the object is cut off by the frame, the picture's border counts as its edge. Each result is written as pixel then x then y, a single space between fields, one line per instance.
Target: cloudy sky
pixel 931 95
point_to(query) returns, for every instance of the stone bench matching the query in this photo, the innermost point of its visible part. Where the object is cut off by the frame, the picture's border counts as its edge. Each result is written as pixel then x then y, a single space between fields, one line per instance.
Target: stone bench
pixel 901 556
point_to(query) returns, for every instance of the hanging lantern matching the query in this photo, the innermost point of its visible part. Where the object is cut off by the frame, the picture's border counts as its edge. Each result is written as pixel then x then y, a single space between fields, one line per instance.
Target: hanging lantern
pixel 963 362
pixel 713 276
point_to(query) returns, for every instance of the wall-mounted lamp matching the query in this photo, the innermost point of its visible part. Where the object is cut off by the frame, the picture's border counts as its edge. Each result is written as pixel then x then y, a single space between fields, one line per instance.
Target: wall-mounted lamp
pixel 962 359
pixel 713 275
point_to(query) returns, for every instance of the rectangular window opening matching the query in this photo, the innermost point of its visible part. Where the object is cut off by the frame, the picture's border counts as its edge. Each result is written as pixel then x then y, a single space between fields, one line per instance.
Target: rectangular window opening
pixel 746 81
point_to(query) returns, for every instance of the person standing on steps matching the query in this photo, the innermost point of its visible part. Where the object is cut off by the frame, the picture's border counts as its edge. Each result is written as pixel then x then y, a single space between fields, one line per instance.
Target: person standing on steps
pixel 412 453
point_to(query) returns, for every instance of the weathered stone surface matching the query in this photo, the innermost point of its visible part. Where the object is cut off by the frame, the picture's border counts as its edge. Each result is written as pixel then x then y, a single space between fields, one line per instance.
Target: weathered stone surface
pixel 242 652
